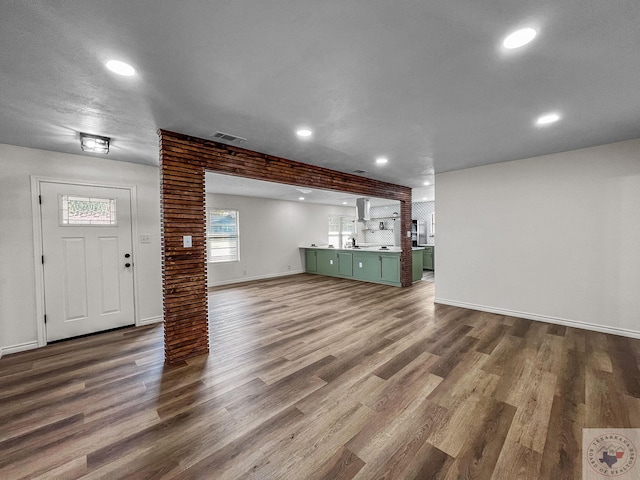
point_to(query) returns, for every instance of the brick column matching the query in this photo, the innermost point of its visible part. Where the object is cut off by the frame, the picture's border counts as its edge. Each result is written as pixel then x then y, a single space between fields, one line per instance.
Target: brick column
pixel 184 274
pixel 406 257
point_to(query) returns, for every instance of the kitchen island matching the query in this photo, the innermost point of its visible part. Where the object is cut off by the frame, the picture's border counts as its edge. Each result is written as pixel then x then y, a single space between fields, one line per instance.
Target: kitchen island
pixel 368 264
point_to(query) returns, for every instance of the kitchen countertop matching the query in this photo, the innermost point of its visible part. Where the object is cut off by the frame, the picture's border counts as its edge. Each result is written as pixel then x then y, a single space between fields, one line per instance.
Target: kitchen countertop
pixel 361 249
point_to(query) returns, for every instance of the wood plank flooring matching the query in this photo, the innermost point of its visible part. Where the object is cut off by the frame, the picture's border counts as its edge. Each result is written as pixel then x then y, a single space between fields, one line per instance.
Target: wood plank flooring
pixel 312 377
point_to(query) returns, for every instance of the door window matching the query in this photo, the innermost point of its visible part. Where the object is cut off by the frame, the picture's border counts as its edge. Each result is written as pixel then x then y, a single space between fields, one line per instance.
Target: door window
pixel 75 210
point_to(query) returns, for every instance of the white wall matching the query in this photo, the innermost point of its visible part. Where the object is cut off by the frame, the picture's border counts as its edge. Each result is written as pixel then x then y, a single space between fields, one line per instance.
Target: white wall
pixel 271 232
pixel 554 238
pixel 18 322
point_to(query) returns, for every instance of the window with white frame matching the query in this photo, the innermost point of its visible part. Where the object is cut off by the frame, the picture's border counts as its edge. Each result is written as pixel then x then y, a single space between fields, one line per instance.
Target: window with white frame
pixel 223 236
pixel 341 230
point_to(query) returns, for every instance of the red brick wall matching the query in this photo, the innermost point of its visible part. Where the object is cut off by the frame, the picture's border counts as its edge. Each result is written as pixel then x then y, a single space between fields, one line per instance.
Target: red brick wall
pixel 183 162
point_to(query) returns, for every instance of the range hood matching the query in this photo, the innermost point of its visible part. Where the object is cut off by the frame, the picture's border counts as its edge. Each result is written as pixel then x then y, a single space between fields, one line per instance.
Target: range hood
pixel 362 209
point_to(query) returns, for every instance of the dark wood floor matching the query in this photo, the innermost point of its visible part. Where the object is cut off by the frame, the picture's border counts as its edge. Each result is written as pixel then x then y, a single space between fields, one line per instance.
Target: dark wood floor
pixel 312 377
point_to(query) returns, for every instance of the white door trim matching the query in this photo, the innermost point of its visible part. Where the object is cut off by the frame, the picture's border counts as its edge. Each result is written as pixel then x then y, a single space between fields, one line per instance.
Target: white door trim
pixel 36 180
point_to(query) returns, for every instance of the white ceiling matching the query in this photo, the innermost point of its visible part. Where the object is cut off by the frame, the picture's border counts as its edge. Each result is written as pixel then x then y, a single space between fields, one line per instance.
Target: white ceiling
pixel 424 83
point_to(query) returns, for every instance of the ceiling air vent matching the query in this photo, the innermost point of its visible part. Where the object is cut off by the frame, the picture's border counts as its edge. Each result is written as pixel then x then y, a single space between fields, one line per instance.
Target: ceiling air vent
pixel 360 172
pixel 227 137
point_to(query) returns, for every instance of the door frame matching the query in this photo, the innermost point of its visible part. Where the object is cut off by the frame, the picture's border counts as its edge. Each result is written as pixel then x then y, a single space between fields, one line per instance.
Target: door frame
pixel 36 220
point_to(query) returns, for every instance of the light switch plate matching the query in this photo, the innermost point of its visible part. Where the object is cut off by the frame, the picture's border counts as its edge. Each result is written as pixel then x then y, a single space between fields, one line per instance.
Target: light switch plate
pixel 186 241
pixel 145 238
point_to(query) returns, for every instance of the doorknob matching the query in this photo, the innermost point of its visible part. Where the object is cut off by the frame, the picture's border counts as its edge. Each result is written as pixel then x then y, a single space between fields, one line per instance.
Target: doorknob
pixel 127 265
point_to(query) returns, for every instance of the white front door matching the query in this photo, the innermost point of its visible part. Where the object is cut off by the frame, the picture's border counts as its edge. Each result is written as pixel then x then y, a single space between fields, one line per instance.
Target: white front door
pixel 87 259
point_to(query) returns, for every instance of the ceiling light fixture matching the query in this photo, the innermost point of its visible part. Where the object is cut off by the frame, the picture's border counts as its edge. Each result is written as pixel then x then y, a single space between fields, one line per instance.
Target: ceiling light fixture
pixel 547 119
pixel 344 203
pixel 94 143
pixel 300 198
pixel 304 132
pixel 427 183
pixel 381 160
pixel 120 68
pixel 519 38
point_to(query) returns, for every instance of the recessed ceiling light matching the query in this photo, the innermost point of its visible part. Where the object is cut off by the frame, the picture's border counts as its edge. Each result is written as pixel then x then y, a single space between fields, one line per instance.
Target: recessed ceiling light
pixel 427 183
pixel 304 132
pixel 424 198
pixel 344 203
pixel 519 38
pixel 121 68
pixel 547 119
pixel 300 198
pixel 381 160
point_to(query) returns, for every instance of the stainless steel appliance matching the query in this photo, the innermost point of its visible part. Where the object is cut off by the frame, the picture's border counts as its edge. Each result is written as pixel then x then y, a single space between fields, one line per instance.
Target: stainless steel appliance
pixel 418 233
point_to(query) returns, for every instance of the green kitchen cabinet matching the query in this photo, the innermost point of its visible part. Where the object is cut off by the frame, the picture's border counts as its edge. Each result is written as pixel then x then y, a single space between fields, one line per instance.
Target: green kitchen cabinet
pixel 428 258
pixel 311 261
pixel 416 265
pixel 327 262
pixel 345 264
pixel 390 268
pixel 366 266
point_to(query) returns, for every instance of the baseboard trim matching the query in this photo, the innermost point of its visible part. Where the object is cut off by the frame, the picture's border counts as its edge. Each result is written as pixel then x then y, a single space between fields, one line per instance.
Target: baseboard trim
pixel 21 347
pixel 542 318
pixel 258 277
pixel 150 321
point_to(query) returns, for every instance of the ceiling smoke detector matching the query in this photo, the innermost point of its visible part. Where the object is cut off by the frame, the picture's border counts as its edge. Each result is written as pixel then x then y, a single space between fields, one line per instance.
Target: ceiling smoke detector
pixel 227 137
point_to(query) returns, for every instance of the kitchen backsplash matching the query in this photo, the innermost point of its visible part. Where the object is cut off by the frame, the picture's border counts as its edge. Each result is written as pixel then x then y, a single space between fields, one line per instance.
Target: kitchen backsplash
pixel 372 232
pixel 420 211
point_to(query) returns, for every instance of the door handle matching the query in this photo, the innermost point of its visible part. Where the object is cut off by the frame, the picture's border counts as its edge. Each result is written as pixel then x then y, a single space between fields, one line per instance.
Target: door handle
pixel 127 255
pixel 127 265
